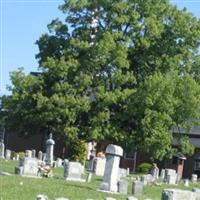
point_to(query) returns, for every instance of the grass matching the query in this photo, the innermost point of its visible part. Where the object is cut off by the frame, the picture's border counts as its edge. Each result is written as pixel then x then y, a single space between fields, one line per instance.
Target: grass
pixel 22 188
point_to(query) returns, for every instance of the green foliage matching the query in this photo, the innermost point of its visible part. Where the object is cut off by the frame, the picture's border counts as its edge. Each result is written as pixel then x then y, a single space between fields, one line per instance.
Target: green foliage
pixel 126 71
pixel 186 147
pixel 144 168
pixel 78 148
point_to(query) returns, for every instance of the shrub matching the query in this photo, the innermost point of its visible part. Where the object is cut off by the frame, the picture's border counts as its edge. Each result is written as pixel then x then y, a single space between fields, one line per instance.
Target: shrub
pixel 79 151
pixel 144 167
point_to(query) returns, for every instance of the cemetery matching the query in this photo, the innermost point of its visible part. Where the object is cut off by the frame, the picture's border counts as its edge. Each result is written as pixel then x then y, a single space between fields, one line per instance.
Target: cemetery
pixel 37 176
pixel 112 110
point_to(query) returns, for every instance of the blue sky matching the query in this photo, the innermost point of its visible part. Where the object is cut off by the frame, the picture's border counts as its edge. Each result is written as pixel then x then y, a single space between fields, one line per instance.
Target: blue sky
pixel 22 22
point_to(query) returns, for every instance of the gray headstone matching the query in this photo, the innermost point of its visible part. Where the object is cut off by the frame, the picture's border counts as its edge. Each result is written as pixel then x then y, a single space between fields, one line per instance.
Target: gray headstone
pixel 186 183
pixel 33 153
pixel 91 163
pixel 137 188
pixel 162 174
pixel 2 149
pixel 8 154
pixel 49 151
pixel 89 177
pixel 155 171
pixel 27 167
pixel 59 162
pixel 176 194
pixel 40 155
pixel 73 171
pixel 110 179
pixel 123 187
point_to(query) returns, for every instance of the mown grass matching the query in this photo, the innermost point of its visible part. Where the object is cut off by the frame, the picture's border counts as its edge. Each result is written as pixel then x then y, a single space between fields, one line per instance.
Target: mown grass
pixel 22 188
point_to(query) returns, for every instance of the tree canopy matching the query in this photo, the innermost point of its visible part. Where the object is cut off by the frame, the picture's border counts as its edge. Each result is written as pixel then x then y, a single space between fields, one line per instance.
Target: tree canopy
pixel 120 70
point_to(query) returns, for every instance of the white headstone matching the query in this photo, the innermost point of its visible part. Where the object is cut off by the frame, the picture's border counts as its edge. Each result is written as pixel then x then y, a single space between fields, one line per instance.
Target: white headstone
pixel 42 197
pixel 194 178
pixel 40 155
pixel 100 164
pixel 28 153
pixel 49 151
pixel 110 179
pixel 2 148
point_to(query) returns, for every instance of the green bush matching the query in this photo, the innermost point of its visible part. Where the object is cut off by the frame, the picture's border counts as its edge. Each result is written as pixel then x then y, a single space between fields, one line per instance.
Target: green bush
pixel 144 168
pixel 79 151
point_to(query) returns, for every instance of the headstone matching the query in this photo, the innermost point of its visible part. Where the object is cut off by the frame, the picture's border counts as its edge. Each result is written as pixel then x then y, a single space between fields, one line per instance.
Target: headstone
pixel 27 167
pixel 73 171
pixel 155 171
pixel 171 179
pixel 61 198
pixel 40 155
pixel 177 194
pixel 186 183
pixel 110 179
pixel 28 153
pixel 91 163
pixel 59 162
pixel 17 157
pixel 43 156
pixel 33 153
pixel 99 166
pixel 8 154
pixel 137 188
pixel 128 171
pixel 89 177
pixel 42 197
pixel 123 187
pixel 122 173
pixel 2 148
pixel 49 150
pixel 147 179
pixel 162 174
pixel 194 178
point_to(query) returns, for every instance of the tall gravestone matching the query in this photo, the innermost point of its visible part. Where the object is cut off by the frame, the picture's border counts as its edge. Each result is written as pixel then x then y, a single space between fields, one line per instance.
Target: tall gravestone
pixel 40 155
pixel 2 148
pixel 110 179
pixel 49 150
pixel 8 154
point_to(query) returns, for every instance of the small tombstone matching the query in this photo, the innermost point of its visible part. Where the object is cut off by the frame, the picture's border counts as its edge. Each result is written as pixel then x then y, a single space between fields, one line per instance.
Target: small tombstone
pixel 122 173
pixel 128 171
pixel 28 153
pixel 110 179
pixel 99 166
pixel 42 197
pixel 49 150
pixel 162 174
pixel 147 179
pixel 123 187
pixel 73 171
pixel 155 171
pixel 2 148
pixel 89 177
pixel 137 188
pixel 27 167
pixel 40 155
pixel 33 153
pixel 186 183
pixel 8 154
pixel 194 178
pixel 59 162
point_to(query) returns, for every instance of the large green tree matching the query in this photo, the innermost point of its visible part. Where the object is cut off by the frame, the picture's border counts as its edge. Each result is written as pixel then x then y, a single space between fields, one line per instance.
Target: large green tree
pixel 120 70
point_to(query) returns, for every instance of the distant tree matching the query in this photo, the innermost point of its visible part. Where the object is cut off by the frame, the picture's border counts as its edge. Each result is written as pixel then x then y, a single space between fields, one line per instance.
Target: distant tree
pixel 125 71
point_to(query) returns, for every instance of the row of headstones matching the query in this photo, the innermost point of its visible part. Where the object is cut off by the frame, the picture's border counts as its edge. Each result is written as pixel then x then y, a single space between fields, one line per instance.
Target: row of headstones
pixel 168 176
pixel 167 194
pixel 44 197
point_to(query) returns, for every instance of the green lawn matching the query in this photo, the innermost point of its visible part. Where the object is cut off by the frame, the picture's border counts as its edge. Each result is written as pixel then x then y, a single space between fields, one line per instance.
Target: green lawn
pixel 22 188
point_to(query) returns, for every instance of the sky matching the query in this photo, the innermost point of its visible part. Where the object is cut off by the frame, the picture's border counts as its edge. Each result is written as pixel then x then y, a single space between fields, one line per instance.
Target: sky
pixel 22 22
